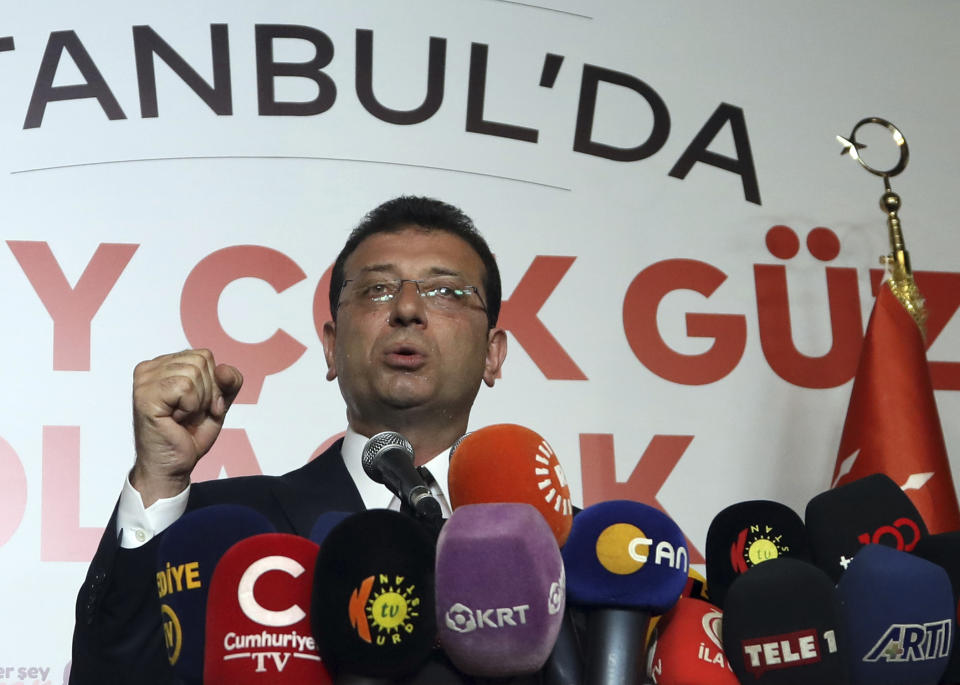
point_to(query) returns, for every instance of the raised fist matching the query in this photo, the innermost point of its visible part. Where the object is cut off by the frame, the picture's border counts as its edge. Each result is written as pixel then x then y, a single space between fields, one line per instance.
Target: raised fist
pixel 179 403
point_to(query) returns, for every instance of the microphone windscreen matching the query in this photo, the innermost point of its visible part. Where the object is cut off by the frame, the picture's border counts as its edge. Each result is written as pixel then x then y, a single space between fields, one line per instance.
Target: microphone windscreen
pixel 326 522
pixel 500 589
pixel 258 618
pixel 625 554
pixel 898 612
pixel 373 596
pixel 781 625
pixel 187 555
pixel 696 586
pixel 510 463
pixel 687 647
pixel 869 510
pixel 943 549
pixel 746 534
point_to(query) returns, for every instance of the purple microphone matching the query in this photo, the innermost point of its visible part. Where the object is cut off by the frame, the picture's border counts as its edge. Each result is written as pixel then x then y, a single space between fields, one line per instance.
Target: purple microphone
pixel 500 589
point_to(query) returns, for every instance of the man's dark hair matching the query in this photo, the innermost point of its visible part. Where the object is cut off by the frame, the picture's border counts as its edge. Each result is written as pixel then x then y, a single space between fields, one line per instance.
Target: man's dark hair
pixel 430 214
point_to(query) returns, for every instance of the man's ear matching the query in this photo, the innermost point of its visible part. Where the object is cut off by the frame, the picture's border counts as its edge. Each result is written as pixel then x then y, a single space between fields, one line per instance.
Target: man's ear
pixel 496 353
pixel 329 343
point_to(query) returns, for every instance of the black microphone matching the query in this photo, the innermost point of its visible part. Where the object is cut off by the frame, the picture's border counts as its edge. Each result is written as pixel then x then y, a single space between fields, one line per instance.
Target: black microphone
pixel 388 459
pixel 373 608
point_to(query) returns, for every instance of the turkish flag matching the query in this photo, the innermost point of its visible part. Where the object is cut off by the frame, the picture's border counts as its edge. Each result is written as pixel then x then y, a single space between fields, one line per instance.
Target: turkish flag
pixel 892 425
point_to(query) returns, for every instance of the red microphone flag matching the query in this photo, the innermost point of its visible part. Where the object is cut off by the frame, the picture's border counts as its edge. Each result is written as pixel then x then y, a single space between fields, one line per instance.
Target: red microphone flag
pixel 892 426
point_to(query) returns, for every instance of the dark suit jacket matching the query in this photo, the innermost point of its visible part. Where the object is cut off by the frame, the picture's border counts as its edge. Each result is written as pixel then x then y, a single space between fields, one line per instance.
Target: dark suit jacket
pixel 117 636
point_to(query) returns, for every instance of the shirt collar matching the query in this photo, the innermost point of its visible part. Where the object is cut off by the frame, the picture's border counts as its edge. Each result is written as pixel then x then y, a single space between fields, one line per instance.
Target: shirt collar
pixel 376 495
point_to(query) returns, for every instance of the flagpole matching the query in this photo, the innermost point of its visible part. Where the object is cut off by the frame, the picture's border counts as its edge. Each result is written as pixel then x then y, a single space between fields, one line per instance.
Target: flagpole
pixel 892 424
pixel 898 261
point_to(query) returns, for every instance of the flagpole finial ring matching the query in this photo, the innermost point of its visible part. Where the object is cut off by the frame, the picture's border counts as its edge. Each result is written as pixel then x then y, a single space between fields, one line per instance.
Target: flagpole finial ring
pixel 852 147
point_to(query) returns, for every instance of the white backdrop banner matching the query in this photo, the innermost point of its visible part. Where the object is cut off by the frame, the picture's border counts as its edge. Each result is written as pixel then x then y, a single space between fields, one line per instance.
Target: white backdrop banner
pixel 688 261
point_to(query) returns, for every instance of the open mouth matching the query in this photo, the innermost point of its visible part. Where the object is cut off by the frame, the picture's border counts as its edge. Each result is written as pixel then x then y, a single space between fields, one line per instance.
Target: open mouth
pixel 405 357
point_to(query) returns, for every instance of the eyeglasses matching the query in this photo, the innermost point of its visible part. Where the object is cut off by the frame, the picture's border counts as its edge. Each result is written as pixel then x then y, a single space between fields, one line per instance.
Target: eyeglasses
pixel 443 293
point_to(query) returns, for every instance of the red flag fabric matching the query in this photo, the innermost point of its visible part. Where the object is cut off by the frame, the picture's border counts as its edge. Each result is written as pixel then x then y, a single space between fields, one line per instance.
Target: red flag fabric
pixel 892 425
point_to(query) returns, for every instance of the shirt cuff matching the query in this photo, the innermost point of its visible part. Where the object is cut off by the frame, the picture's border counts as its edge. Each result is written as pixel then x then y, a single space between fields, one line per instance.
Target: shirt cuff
pixel 137 524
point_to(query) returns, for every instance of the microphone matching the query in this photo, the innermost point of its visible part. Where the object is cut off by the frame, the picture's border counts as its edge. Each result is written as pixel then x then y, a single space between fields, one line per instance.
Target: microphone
pixel 943 549
pixel 388 459
pixel 625 561
pixel 899 616
pixel 696 586
pixel 746 534
pixel 258 618
pixel 869 510
pixel 499 588
pixel 686 648
pixel 188 552
pixel 782 625
pixel 373 595
pixel 510 463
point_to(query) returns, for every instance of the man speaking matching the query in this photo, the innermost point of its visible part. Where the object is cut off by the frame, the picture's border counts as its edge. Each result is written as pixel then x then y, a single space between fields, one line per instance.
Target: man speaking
pixel 414 297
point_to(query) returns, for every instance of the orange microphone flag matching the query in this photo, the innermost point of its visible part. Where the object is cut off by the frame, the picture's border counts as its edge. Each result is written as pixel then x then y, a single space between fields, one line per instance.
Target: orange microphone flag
pixel 892 424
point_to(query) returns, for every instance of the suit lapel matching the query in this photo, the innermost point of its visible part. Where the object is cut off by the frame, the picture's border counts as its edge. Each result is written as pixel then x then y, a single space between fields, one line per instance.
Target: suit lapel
pixel 322 485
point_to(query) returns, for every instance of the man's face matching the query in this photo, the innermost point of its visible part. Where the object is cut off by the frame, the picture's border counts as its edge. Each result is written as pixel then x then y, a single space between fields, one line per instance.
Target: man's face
pixel 407 355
